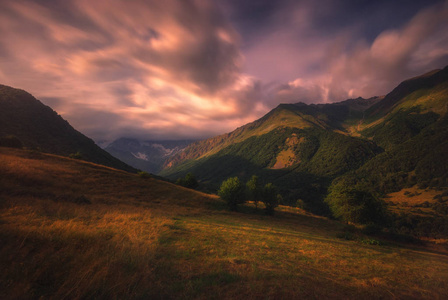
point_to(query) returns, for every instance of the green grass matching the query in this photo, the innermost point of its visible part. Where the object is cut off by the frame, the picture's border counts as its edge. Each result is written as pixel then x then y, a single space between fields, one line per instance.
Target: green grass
pixel 147 239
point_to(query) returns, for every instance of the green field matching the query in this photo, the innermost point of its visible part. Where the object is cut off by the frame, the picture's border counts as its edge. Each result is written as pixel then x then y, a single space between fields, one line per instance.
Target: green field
pixel 76 230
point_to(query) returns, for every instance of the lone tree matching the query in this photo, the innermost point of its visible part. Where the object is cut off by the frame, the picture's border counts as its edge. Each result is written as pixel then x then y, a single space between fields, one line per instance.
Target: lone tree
pixel 189 181
pixel 254 190
pixel 270 198
pixel 354 204
pixel 233 192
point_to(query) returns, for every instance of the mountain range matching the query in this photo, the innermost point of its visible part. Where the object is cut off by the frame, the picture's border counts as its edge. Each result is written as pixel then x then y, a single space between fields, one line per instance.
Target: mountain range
pixel 388 142
pixel 148 155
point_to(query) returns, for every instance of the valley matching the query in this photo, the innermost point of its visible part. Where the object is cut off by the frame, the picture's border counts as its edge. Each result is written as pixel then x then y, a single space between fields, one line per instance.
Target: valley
pixel 223 149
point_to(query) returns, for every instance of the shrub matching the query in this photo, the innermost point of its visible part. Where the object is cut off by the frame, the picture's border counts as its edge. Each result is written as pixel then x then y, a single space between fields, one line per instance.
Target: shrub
pixel 76 155
pixel 11 141
pixel 232 191
pixel 254 190
pixel 189 181
pixel 143 174
pixel 270 198
pixel 301 204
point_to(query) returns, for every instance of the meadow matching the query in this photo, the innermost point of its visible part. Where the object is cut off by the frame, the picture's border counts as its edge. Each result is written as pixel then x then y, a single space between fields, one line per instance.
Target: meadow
pixel 75 230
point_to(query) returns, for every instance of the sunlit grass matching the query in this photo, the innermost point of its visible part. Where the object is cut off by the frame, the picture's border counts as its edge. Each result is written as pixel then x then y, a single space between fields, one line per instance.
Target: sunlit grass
pixel 412 200
pixel 143 238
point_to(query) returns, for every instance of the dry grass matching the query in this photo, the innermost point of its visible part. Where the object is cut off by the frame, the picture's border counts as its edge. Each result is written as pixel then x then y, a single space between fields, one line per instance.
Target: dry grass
pixel 411 200
pixel 143 238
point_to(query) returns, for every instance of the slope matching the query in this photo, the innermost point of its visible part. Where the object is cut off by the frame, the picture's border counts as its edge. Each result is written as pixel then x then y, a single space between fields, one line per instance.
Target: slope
pixel 414 132
pixel 38 126
pixel 71 229
pixel 298 147
pixel 302 148
pixel 282 116
pixel 403 113
pixel 325 116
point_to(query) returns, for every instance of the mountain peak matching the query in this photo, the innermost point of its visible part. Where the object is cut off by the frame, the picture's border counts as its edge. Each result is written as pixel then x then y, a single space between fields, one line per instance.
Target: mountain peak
pixel 407 87
pixel 38 126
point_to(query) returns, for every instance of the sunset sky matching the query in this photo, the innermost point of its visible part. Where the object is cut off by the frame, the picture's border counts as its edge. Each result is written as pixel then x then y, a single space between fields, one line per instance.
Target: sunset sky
pixel 178 69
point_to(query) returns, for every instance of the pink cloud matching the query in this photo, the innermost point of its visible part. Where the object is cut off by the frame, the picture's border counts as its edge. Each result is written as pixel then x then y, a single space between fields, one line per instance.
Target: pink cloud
pixel 158 68
pixel 373 69
pixel 167 69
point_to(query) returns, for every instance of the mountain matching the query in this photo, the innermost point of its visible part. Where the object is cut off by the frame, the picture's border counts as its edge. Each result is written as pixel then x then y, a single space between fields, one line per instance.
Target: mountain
pixel 37 126
pixel 145 155
pixel 411 124
pixel 302 148
pixel 297 115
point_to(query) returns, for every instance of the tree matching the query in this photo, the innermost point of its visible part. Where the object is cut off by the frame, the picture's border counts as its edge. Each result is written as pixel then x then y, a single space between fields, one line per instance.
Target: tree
pixel 189 181
pixel 254 190
pixel 233 192
pixel 354 204
pixel 270 198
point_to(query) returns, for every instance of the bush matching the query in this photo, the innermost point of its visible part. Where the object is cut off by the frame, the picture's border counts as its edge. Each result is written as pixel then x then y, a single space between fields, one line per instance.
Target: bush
pixel 189 181
pixel 11 141
pixel 270 198
pixel 143 174
pixel 254 190
pixel 301 204
pixel 76 155
pixel 233 192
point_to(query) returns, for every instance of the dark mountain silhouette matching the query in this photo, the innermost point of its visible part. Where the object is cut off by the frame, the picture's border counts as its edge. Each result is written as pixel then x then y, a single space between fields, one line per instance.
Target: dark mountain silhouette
pixel 37 126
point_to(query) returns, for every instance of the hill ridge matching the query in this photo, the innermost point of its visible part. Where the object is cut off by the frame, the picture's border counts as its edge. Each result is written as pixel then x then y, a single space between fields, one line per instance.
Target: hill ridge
pixel 38 126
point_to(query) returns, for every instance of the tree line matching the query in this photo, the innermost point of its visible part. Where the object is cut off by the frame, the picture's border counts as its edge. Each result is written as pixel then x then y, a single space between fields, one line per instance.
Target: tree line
pixel 234 192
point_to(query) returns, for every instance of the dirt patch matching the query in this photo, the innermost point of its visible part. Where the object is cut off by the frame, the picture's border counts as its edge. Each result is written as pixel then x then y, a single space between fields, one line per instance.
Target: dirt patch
pixel 288 157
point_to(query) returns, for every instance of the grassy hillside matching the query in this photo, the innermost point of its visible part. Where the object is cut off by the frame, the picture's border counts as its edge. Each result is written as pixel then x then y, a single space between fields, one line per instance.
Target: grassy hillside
pixel 71 229
pixel 299 115
pixel 285 115
pixel 37 126
pixel 300 162
pixel 395 141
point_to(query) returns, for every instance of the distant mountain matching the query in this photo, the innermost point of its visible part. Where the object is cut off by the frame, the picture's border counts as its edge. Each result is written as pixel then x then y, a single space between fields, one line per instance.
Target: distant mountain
pixel 298 115
pixel 37 126
pixel 148 156
pixel 302 148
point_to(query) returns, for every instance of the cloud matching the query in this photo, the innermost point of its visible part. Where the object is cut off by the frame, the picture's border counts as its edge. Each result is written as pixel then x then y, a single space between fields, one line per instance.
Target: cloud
pixel 144 68
pixel 180 69
pixel 311 65
pixel 394 55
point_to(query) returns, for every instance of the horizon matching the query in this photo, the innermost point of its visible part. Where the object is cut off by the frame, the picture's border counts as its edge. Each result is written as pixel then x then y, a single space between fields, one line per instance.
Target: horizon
pixel 196 69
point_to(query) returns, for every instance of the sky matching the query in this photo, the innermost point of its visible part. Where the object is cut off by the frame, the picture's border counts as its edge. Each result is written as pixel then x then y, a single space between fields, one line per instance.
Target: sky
pixel 192 69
